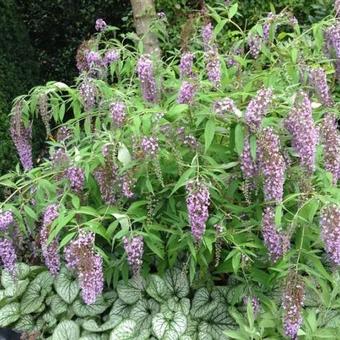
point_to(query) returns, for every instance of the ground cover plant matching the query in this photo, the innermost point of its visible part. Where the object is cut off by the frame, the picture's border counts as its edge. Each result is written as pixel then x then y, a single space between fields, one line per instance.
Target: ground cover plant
pixel 210 178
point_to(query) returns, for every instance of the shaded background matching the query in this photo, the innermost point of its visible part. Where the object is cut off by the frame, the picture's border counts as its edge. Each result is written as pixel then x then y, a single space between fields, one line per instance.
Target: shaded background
pixel 39 39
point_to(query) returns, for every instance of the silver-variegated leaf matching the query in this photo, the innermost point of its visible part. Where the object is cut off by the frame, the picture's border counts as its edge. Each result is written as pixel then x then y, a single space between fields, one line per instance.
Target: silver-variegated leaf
pixel 130 292
pixel 9 314
pixel 22 271
pixel 157 288
pixel 182 305
pixel 32 299
pixel 66 330
pixel 204 302
pixel 120 308
pixel 83 310
pixel 169 325
pixel 126 330
pixel 66 286
pixel 92 326
pixel 17 289
pixel 24 324
pixel 58 305
pixel 143 312
pixel 177 282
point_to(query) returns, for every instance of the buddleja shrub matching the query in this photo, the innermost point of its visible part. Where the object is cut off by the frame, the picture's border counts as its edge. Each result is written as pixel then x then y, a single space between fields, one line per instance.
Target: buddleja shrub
pixel 224 160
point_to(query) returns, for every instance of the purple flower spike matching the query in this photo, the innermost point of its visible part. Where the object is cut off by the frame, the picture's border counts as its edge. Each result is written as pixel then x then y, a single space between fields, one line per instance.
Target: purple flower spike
pixel 147 79
pixel 76 177
pixel 7 255
pixel 272 165
pixel 305 136
pixel 134 249
pixel 79 256
pixel 198 201
pixel 186 93
pixel 330 232
pixel 186 65
pixel 6 219
pixel 100 25
pixel 331 142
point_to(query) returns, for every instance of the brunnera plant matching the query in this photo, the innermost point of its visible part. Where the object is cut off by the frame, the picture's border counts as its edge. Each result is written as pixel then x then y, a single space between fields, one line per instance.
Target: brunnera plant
pixel 225 160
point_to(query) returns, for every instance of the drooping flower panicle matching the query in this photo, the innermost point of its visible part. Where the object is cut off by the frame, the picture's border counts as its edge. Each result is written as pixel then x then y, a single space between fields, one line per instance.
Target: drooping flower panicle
pixel 106 177
pixel 305 135
pixel 318 80
pixel 76 177
pixel 7 255
pixel 186 93
pixel 276 241
pixel 224 106
pixel 80 256
pixel 213 66
pixel 6 219
pixel 330 232
pixel 186 65
pixel 50 250
pixel 100 25
pixel 292 303
pixel 88 93
pixel 21 136
pixel 271 165
pixel 331 143
pixel 258 107
pixel 134 248
pixel 147 79
pixel 198 201
pixel 118 113
pixel 150 146
pixel 248 166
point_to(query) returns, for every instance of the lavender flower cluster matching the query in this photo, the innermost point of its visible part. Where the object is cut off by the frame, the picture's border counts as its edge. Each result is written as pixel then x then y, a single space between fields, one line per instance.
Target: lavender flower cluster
pixel 147 78
pixel 318 80
pixel 186 93
pixel 63 134
pixel 224 106
pixel 76 177
pixel 150 146
pixel 248 166
pixel 330 232
pixel 118 113
pixel 272 165
pixel 50 251
pixel 8 256
pixel 258 107
pixel 134 248
pixel 100 25
pixel 44 112
pixel 276 242
pixel 21 137
pixel 106 177
pixel 331 142
pixel 6 219
pixel 255 303
pixel 305 135
pixel 198 201
pixel 79 256
pixel 292 303
pixel 186 65
pixel 254 43
pixel 332 46
pixel 88 93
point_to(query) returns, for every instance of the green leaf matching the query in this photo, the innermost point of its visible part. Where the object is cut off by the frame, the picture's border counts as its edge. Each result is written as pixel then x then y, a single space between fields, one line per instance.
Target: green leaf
pixel 126 330
pixel 22 271
pixel 66 330
pixel 232 10
pixel 17 289
pixel 169 325
pixel 66 285
pixel 120 308
pixel 176 305
pixel 9 314
pixel 239 138
pixel 143 312
pixel 157 288
pixel 83 310
pixel 209 133
pixel 130 292
pixel 177 282
pixel 182 180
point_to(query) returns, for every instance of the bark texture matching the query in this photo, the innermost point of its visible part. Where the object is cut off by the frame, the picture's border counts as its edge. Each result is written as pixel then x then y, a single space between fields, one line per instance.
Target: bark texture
pixel 144 13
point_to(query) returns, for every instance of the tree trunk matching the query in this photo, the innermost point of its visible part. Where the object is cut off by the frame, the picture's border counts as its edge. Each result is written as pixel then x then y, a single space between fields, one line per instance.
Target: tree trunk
pixel 144 13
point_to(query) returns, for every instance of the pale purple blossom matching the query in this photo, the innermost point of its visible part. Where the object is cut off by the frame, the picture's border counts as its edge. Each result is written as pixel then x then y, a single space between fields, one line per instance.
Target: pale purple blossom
pixel 147 78
pixel 213 66
pixel 330 232
pixel 271 165
pixel 254 43
pixel 318 80
pixel 224 106
pixel 150 146
pixel 118 113
pixel 76 177
pixel 8 256
pixel 88 265
pixel 186 65
pixel 198 201
pixel 305 135
pixel 331 143
pixel 276 242
pixel 248 166
pixel 106 177
pixel 134 248
pixel 6 220
pixel 110 57
pixel 88 93
pixel 100 25
pixel 207 35
pixel 186 93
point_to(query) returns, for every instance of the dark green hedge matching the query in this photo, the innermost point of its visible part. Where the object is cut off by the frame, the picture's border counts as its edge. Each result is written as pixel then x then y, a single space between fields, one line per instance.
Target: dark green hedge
pixel 18 73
